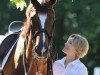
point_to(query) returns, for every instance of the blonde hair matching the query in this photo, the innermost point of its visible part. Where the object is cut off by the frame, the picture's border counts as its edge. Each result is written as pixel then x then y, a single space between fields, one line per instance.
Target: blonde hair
pixel 81 45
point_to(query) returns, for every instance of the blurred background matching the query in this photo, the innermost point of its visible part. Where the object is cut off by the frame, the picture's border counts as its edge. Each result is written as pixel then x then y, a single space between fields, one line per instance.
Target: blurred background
pixel 80 16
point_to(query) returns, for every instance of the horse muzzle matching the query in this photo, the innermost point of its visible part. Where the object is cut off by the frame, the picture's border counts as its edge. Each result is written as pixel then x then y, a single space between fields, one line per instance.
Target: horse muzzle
pixel 41 52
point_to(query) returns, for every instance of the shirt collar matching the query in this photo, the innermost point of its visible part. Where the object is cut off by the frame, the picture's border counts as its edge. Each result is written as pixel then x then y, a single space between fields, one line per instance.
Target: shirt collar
pixel 62 61
pixel 75 62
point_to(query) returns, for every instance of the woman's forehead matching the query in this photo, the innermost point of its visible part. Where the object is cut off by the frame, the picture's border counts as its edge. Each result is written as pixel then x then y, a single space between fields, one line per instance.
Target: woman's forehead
pixel 70 38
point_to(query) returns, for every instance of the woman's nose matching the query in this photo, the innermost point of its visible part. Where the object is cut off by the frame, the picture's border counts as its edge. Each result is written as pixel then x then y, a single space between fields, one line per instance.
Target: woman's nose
pixel 65 43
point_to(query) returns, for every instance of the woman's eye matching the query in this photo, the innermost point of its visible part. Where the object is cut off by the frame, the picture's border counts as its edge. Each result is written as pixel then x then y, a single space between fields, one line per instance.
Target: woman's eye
pixel 70 42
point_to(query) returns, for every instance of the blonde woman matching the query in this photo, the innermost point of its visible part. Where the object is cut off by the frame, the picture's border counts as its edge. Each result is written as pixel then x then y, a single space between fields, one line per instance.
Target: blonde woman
pixel 75 48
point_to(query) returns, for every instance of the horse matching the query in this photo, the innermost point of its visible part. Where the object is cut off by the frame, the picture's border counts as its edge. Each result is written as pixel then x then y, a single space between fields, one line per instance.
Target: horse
pixel 32 48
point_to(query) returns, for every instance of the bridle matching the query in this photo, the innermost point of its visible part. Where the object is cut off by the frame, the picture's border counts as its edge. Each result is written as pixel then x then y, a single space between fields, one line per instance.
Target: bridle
pixel 41 31
pixel 49 58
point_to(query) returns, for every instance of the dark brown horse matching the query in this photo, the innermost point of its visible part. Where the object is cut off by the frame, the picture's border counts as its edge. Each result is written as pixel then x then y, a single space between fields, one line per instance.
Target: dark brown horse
pixel 33 51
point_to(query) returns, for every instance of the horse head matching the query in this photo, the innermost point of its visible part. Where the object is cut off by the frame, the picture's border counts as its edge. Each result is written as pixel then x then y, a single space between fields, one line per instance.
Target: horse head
pixel 40 16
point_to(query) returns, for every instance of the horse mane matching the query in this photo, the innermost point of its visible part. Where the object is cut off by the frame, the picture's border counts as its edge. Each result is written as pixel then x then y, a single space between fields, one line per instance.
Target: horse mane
pixel 27 23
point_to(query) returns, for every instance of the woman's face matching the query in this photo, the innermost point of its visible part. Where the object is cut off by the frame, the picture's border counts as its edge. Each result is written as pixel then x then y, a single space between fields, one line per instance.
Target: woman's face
pixel 69 47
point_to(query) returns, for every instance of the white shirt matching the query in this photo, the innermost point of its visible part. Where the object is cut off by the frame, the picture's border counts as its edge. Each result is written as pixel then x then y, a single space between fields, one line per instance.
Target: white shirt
pixel 74 68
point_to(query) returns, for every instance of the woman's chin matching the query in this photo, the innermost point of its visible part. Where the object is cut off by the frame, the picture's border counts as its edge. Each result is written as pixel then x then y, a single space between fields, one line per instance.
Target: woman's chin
pixel 63 51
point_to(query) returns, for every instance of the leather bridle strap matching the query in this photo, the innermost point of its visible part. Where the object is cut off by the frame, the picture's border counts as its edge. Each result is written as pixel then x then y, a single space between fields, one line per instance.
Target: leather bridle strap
pixel 33 59
pixel 24 54
pixel 1 73
pixel 24 50
pixel 49 67
pixel 41 31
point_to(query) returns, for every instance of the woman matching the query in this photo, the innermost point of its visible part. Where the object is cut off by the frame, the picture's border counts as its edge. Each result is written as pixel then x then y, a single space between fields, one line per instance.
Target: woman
pixel 75 48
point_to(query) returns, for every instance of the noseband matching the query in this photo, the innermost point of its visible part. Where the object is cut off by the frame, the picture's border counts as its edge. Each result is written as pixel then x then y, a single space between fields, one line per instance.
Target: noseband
pixel 41 31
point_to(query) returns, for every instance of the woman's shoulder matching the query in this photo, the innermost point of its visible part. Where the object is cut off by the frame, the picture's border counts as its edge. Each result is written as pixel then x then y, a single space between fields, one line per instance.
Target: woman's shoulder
pixel 59 61
pixel 81 66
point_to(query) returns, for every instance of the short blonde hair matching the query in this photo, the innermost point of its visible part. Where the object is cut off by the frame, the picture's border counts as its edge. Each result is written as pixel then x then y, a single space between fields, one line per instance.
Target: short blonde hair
pixel 81 45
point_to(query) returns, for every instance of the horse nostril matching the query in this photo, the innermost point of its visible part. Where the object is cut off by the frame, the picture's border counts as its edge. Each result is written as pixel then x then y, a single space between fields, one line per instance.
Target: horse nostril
pixel 41 51
pixel 37 50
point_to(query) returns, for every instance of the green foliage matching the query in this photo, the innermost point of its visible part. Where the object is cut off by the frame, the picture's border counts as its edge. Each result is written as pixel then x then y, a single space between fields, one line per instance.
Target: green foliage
pixel 81 17
pixel 19 4
pixel 9 13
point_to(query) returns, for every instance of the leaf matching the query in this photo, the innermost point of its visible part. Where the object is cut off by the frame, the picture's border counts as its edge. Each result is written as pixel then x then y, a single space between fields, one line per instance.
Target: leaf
pixel 19 4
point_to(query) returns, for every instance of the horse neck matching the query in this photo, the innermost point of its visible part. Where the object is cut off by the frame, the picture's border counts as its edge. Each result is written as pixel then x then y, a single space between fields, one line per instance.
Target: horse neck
pixel 36 65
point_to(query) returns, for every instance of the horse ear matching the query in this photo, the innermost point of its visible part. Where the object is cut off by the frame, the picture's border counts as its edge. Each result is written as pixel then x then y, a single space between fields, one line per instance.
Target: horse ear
pixel 53 2
pixel 34 2
pixel 31 1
